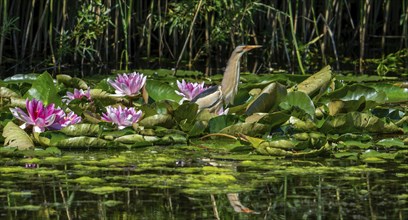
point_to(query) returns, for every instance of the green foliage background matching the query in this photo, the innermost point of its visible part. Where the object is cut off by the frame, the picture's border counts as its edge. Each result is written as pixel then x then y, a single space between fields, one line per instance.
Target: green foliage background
pixel 296 35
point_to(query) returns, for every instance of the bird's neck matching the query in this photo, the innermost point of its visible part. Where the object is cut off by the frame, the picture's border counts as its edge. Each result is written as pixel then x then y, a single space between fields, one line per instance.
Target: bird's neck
pixel 229 84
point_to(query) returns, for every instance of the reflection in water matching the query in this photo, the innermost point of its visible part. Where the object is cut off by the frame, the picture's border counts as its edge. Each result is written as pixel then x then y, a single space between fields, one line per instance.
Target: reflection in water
pixel 100 185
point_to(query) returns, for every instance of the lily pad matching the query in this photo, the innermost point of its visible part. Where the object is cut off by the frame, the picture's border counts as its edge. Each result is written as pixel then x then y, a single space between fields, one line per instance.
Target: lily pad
pixel 81 142
pixel 161 91
pixel 357 122
pixel 81 130
pixel 355 98
pixel 268 99
pixel 16 137
pixel 298 100
pixel 392 142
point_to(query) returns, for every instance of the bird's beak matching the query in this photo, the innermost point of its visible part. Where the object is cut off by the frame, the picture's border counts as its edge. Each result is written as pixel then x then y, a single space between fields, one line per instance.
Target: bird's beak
pixel 250 47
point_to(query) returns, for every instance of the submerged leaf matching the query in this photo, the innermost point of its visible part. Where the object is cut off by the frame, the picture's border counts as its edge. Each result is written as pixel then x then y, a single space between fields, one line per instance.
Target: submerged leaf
pixel 16 137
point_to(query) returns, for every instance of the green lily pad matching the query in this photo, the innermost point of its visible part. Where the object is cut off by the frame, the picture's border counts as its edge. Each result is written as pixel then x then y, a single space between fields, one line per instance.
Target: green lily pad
pixel 392 142
pixel 394 93
pixel 298 100
pixel 268 99
pixel 81 142
pixel 355 98
pixel 357 122
pixel 81 130
pixel 165 120
pixel 161 91
pixel 252 129
pixel 17 137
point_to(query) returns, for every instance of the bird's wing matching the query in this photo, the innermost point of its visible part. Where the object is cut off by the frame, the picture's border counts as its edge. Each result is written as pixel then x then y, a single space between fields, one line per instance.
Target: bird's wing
pixel 210 99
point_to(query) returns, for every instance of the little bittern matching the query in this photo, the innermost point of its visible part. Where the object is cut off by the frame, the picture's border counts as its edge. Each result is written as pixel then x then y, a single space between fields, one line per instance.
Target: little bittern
pixel 216 97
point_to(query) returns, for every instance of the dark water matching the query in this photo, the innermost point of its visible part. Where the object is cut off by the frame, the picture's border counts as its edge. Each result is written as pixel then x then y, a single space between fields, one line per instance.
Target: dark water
pixel 190 183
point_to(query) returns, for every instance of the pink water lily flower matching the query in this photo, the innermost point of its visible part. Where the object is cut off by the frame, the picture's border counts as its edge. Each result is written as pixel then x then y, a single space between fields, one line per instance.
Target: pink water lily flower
pixel 40 116
pixel 123 117
pixel 66 120
pixel 128 84
pixel 189 90
pixel 78 94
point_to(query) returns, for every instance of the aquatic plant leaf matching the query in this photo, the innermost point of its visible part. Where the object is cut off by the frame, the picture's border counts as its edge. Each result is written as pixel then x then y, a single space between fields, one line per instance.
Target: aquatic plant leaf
pixel 369 155
pixel 81 142
pixel 161 91
pixel 104 97
pixel 216 124
pixel 186 112
pixel 163 120
pixel 394 93
pixel 347 155
pixel 391 142
pixel 298 100
pixel 299 125
pixel 172 139
pixel 354 98
pixel 16 137
pixel 315 82
pixel 7 93
pixel 81 130
pixel 354 144
pixel 134 139
pixel 22 78
pixel 71 82
pixel 44 89
pixel 350 137
pixel 357 122
pixel 197 128
pixel 268 99
pixel 252 129
pixel 273 120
